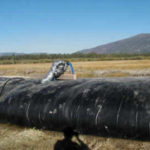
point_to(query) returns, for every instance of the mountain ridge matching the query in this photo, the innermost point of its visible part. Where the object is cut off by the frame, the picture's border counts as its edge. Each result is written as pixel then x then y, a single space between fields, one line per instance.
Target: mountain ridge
pixel 136 44
pixel 9 54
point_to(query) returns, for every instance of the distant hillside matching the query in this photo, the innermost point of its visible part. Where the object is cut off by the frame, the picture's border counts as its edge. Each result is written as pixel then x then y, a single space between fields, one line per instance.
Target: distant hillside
pixel 19 54
pixel 9 54
pixel 136 44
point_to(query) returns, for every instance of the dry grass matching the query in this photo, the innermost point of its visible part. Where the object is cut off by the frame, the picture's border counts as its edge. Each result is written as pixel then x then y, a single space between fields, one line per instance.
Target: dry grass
pixel 19 138
pixel 83 69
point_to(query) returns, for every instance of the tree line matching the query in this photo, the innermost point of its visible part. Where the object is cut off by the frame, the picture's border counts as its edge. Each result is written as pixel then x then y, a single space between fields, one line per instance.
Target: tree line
pixel 43 58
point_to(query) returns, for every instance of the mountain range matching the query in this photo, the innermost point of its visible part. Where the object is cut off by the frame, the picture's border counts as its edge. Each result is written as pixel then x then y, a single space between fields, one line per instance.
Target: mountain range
pixel 9 54
pixel 136 44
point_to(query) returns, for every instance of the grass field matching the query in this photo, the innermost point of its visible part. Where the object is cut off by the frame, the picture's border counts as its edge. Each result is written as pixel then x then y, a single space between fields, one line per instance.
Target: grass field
pixel 83 69
pixel 19 138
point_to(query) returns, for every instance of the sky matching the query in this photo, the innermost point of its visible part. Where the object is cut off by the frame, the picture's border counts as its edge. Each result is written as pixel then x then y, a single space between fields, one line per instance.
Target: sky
pixel 66 26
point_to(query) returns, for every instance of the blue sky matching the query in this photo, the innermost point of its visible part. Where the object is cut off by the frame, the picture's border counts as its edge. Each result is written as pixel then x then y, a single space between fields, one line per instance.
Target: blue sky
pixel 65 26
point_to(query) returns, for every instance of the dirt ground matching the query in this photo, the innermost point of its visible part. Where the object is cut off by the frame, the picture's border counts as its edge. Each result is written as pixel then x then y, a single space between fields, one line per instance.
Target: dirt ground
pixel 19 138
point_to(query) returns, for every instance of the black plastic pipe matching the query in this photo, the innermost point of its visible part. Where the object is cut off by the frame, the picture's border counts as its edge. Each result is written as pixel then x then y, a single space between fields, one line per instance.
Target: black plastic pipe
pixel 103 107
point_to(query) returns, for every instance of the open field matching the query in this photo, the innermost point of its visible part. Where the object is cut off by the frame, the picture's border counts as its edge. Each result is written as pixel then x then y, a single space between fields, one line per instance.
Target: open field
pixel 83 69
pixel 19 138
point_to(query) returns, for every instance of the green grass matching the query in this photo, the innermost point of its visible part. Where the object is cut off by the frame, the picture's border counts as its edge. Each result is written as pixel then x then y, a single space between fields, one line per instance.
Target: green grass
pixel 45 58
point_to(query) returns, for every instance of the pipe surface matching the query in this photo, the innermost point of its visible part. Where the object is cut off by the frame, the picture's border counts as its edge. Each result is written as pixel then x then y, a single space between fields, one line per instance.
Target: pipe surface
pixel 104 107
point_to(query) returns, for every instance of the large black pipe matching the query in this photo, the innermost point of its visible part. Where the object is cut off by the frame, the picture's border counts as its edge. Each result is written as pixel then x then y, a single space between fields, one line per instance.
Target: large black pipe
pixel 104 107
